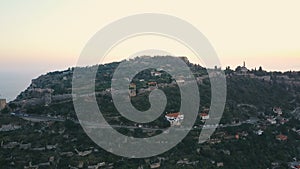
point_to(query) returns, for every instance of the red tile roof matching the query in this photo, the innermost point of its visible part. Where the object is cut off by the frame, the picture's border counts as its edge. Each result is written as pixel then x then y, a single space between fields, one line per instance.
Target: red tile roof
pixel 173 115
pixel 281 137
pixel 152 83
pixel 203 114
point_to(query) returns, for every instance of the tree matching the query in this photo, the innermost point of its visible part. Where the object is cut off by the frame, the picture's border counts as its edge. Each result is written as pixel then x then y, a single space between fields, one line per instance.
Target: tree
pixel 228 70
pixel 5 110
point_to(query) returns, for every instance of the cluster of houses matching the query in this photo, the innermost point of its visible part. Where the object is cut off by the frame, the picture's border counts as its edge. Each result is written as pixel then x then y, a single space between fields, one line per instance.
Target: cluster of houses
pixel 80 165
pixel 219 136
pixel 152 85
pixel 271 120
pixel 28 146
pixel 94 166
pixel 157 163
pixel 186 161
pixel 244 71
pixel 240 71
pixel 278 119
pixel 37 166
pixel 133 89
pixel 176 118
pixel 9 127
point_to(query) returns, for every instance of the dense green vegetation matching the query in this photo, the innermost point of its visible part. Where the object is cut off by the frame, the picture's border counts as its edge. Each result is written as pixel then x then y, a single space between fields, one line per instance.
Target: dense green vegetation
pixel 247 98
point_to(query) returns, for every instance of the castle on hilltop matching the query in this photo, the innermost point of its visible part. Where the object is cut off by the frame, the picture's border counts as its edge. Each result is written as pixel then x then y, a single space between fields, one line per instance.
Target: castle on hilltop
pixel 242 70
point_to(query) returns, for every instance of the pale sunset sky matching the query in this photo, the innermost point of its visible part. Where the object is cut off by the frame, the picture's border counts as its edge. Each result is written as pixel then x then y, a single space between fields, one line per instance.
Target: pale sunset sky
pixel 41 36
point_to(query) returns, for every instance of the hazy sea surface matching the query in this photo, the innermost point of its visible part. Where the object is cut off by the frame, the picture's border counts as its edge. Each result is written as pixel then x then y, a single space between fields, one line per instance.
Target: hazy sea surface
pixel 11 84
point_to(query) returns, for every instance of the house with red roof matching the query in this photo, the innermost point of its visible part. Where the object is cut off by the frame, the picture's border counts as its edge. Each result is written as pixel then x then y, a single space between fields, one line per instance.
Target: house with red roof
pixel 152 85
pixel 281 137
pixel 204 116
pixel 294 164
pixel 175 119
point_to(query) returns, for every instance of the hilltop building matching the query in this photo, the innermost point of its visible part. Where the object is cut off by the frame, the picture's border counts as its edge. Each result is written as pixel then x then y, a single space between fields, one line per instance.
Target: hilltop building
pixel 2 104
pixel 242 70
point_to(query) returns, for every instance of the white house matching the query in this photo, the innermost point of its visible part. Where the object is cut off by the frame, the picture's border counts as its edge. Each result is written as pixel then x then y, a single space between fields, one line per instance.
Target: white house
pixel 272 120
pixel 175 119
pixel 277 110
pixel 259 132
pixel 204 116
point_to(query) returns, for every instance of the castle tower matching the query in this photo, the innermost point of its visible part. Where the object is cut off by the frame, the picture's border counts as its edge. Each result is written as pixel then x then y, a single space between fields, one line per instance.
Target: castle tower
pixel 2 104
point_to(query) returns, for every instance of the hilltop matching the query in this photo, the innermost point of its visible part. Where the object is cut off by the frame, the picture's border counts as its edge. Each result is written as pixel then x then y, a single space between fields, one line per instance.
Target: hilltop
pixel 256 87
pixel 260 121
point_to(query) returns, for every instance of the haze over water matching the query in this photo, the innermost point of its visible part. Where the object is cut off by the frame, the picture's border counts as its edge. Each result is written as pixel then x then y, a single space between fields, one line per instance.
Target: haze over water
pixel 42 36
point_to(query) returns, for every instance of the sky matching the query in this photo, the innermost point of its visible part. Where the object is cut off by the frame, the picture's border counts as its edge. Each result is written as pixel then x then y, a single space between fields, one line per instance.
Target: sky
pixel 41 36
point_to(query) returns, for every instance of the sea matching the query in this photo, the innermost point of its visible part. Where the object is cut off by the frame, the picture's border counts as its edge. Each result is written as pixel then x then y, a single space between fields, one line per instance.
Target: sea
pixel 12 84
